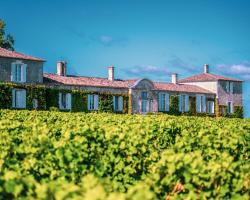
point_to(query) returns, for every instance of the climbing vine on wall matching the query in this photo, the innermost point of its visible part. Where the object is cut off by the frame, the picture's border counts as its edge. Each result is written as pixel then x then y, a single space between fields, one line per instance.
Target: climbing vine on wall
pixel 38 93
pixel 5 96
pixel 174 105
pixel 106 103
pixel 79 101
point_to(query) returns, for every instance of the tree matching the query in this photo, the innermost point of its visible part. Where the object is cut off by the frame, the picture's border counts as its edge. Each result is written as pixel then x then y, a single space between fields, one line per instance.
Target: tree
pixel 6 41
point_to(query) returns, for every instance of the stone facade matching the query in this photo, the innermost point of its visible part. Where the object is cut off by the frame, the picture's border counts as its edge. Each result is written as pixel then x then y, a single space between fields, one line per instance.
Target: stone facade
pixel 219 88
pixel 224 97
pixel 34 73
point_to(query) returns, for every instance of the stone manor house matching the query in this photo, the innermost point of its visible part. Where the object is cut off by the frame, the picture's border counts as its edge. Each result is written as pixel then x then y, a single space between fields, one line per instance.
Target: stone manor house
pixel 203 93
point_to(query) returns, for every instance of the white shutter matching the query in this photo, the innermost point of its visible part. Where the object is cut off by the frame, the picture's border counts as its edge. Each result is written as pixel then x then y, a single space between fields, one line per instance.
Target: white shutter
pixel 89 98
pixel 68 101
pixel 96 102
pixel 167 102
pixel 186 103
pixel 13 72
pixel 198 103
pixel 212 104
pixel 23 98
pixel 204 104
pixel 23 73
pixel 180 103
pixel 60 100
pixel 120 103
pixel 13 98
pixel 231 87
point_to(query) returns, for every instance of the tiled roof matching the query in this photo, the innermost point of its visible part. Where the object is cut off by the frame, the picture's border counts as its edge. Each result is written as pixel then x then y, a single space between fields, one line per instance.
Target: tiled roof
pixel 55 79
pixel 86 81
pixel 12 54
pixel 181 88
pixel 206 77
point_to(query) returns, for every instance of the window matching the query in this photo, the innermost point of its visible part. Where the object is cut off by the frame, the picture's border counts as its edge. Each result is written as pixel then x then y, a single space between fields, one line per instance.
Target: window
pixel 163 102
pixel 210 107
pixel 229 87
pixel 18 72
pixel 200 103
pixel 93 102
pixel 118 103
pixel 18 98
pixel 144 101
pixel 183 103
pixel 64 101
pixel 230 107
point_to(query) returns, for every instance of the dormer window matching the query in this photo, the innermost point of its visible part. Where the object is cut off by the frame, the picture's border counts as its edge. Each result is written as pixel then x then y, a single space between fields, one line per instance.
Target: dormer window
pixel 18 72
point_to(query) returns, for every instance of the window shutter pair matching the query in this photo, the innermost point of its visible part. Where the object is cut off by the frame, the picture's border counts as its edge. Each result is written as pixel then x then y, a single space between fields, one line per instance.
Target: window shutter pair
pixel 18 98
pixel 14 72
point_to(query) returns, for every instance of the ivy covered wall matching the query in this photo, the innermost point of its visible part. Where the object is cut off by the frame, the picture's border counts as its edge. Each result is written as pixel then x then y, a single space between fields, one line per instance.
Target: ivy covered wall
pixel 47 98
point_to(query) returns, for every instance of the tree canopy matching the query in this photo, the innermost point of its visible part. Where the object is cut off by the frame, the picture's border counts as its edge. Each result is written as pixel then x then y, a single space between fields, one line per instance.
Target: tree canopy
pixel 6 40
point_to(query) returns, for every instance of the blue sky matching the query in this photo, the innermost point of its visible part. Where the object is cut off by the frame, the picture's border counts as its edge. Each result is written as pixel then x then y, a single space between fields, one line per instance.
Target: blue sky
pixel 140 38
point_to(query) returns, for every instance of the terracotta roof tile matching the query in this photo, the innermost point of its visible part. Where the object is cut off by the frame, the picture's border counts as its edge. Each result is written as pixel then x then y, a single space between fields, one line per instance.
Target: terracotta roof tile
pixel 12 54
pixel 181 88
pixel 104 82
pixel 206 77
pixel 86 81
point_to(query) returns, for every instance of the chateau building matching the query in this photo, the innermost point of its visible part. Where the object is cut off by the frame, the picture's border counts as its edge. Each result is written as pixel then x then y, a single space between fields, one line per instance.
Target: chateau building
pixel 202 93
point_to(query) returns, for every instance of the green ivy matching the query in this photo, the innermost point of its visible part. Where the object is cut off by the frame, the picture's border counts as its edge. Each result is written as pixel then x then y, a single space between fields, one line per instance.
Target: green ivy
pixel 38 93
pixel 52 97
pixel 174 105
pixel 79 101
pixel 106 103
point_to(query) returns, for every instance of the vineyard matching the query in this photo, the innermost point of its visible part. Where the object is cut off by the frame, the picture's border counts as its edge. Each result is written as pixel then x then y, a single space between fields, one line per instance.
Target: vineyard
pixel 56 155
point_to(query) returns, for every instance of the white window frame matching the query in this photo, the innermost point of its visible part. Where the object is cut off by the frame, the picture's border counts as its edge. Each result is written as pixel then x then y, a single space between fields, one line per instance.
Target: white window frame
pixel 93 102
pixel 183 103
pixel 18 98
pixel 163 102
pixel 118 103
pixel 67 98
pixel 210 107
pixel 231 107
pixel 200 103
pixel 18 72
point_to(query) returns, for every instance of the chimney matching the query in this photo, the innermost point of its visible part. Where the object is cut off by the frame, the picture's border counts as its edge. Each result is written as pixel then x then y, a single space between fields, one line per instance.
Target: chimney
pixel 206 68
pixel 111 73
pixel 62 68
pixel 174 78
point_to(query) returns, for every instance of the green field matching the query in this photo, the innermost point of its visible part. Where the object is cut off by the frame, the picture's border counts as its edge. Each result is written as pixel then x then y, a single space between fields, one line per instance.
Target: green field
pixel 56 155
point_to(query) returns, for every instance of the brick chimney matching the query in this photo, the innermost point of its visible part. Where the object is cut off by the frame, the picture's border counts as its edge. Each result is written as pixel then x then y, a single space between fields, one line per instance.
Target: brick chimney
pixel 174 78
pixel 206 68
pixel 111 73
pixel 61 68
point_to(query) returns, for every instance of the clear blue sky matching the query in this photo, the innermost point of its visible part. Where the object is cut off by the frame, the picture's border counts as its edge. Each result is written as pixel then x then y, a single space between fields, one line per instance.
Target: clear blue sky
pixel 140 38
